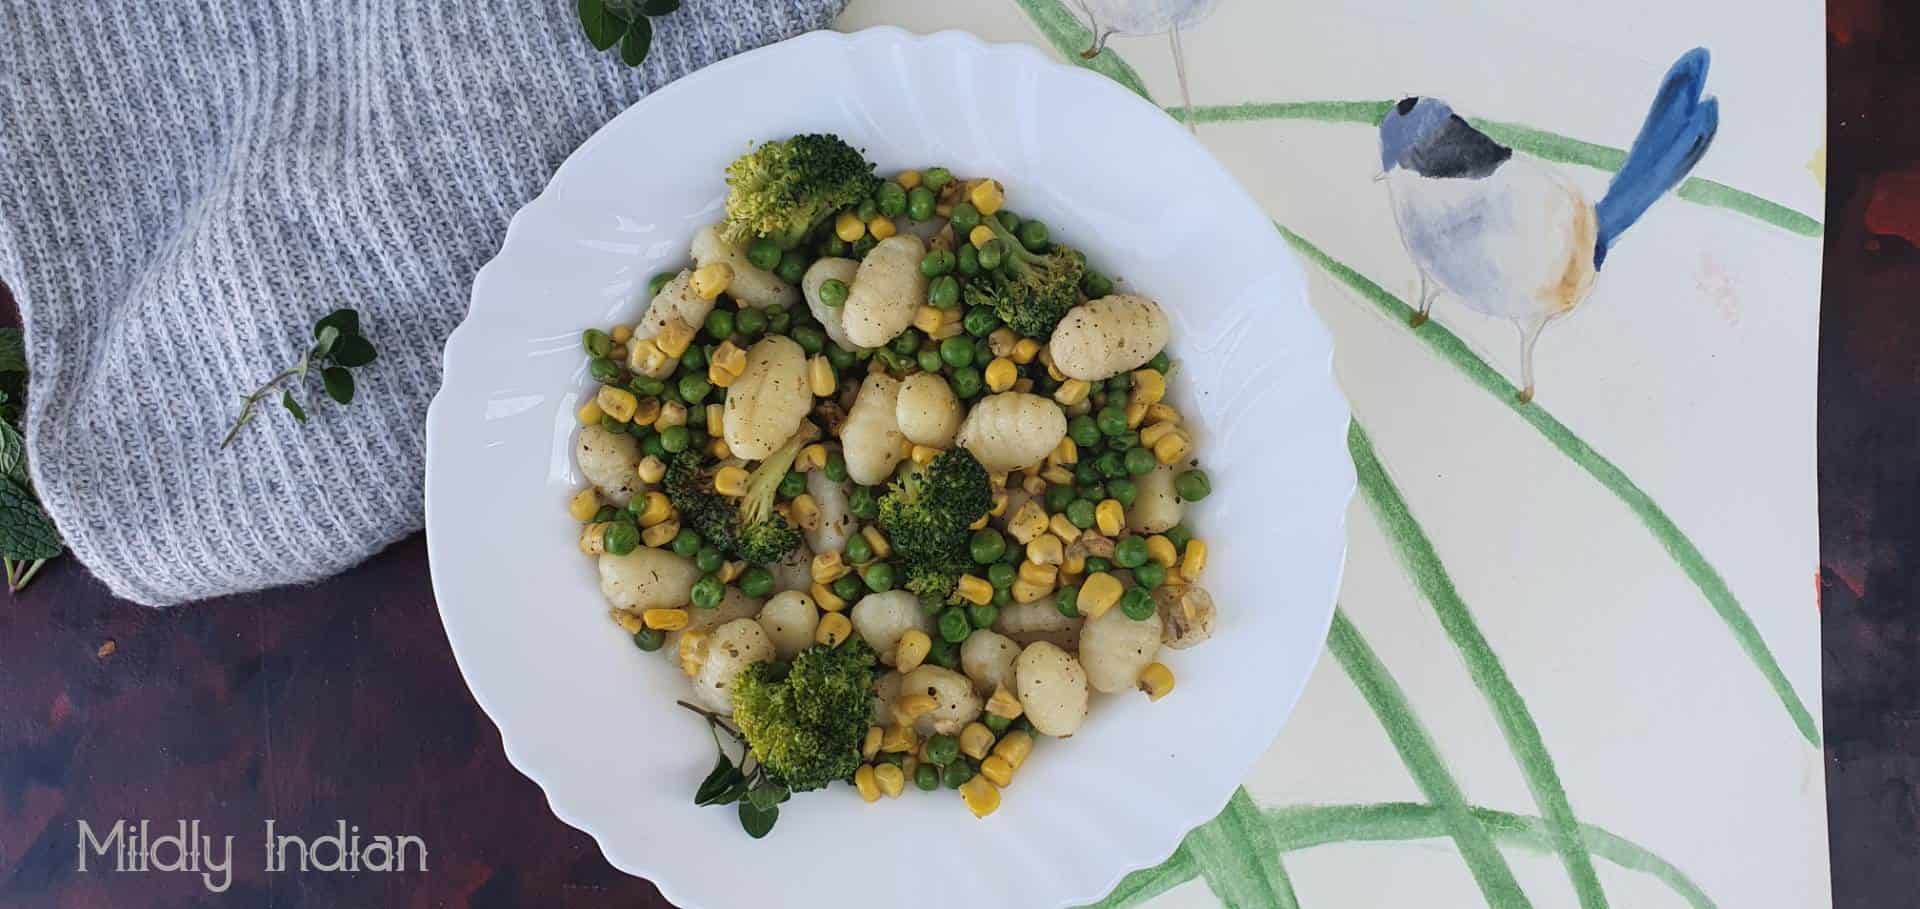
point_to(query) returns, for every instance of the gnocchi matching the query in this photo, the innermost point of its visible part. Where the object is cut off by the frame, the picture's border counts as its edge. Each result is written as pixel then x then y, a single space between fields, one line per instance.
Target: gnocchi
pixel 1114 648
pixel 646 579
pixel 751 284
pixel 767 403
pixel 987 658
pixel 836 523
pixel 790 619
pixel 1155 506
pixel 611 462
pixel 1100 339
pixel 832 319
pixel 870 438
pixel 927 411
pixel 887 290
pixel 955 702
pixel 724 654
pixel 1052 688
pixel 1012 430
pixel 881 618
pixel 1039 620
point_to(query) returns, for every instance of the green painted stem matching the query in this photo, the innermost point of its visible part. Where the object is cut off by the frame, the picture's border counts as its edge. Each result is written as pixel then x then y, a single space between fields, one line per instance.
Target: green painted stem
pixel 1070 37
pixel 1422 759
pixel 1147 883
pixel 1416 554
pixel 1237 856
pixel 1681 549
pixel 1306 826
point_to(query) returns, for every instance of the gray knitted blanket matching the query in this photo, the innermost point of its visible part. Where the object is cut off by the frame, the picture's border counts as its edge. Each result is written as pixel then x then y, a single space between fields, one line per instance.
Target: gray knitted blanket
pixel 186 186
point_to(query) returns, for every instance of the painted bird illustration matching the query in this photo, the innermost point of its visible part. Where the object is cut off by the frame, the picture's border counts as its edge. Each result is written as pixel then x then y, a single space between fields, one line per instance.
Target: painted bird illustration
pixel 1511 236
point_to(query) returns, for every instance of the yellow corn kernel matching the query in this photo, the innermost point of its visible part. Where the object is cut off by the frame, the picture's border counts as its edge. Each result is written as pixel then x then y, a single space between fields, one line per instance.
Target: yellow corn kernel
pixel 1063 528
pixel 881 227
pixel 1001 341
pixel 980 235
pixel 974 590
pixel 718 448
pixel 620 333
pixel 999 506
pixel 899 738
pixel 1136 412
pixel 870 745
pixel 810 458
pixel 589 414
pixel 617 403
pixel 947 330
pixel 1163 413
pixel 867 783
pixel 1014 747
pixel 730 571
pixel 672 413
pixel 911 707
pixel 997 770
pixel 645 357
pixel 1024 350
pixel 719 376
pixel 848 227
pixel 692 651
pixel 1067 452
pixel 1004 704
pixel 820 378
pixel 1193 561
pixel 730 357
pixel 617 352
pixel 660 534
pixel 656 509
pixel 881 548
pixel 824 597
pixel 1046 550
pixel 1025 387
pixel 730 481
pixel 987 196
pixel 908 179
pixel 891 779
pixel 1075 561
pixel 716 417
pixel 928 319
pixel 1001 374
pixel 1035 484
pixel 1055 474
pixel 924 454
pixel 980 522
pixel 827 567
pixel 833 629
pixel 584 504
pixel 906 447
pixel 1071 392
pixel 1154 432
pixel 980 795
pixel 628 622
pixel 1096 545
pixel 1038 574
pixel 665 619
pixel 1110 516
pixel 1160 549
pixel 912 650
pixel 975 740
pixel 1028 521
pixel 647 412
pixel 1025 591
pixel 1172 448
pixel 1149 386
pixel 711 280
pixel 1098 594
pixel 1156 680
pixel 806 512
pixel 674 337
pixel 593 538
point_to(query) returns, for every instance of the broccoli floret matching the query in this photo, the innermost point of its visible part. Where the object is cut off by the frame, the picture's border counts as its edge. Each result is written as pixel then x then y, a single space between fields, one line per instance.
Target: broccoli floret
pixel 751 530
pixel 926 512
pixel 805 720
pixel 933 581
pixel 782 190
pixel 689 486
pixel 1031 292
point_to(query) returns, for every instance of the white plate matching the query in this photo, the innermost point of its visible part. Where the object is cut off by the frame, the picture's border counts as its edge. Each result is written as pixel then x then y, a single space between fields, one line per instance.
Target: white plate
pixel 591 719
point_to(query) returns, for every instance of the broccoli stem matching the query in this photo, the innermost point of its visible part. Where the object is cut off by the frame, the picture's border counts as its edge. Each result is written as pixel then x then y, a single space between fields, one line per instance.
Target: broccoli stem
pixel 764 482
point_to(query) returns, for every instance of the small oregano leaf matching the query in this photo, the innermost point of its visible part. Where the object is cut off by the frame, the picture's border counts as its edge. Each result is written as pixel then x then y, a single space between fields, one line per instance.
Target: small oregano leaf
pixel 718 781
pixel 339 383
pixel 344 321
pixel 13 350
pixel 602 26
pixel 353 351
pixel 660 7
pixel 756 820
pixel 639 38
pixel 292 406
pixel 328 337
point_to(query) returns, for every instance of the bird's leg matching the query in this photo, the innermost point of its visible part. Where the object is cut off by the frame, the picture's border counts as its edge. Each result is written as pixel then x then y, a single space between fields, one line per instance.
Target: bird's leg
pixel 1427 293
pixel 1529 335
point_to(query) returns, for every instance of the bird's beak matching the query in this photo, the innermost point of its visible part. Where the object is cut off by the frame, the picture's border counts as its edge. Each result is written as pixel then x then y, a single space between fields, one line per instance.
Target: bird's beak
pixel 1380 176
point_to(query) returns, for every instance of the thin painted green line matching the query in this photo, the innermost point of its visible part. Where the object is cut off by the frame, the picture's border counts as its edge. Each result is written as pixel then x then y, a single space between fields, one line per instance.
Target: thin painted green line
pixel 1537 142
pixel 1237 856
pixel 1422 759
pixel 1147 883
pixel 1064 31
pixel 1306 826
pixel 1681 549
pixel 1416 555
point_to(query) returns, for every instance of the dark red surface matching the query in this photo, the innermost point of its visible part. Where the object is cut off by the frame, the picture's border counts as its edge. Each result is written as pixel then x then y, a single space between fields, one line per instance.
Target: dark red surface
pixel 342 700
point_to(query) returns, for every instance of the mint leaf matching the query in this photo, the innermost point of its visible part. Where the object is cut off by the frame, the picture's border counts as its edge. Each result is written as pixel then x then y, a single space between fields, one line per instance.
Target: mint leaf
pixel 13 454
pixel 602 26
pixel 633 47
pixel 25 530
pixel 13 350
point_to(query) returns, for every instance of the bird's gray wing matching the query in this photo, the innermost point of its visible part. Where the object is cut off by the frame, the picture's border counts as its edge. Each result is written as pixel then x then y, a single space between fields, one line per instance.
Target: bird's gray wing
pixel 1457 150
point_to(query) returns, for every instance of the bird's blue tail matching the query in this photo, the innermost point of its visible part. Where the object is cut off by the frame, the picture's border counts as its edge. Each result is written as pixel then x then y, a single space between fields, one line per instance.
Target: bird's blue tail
pixel 1678 130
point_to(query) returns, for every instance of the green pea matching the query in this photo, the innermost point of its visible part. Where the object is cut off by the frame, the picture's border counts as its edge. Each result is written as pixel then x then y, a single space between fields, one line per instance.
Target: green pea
pixel 1150 575
pixel 1160 363
pixel 1096 563
pixel 1123 491
pixel 1094 493
pixel 1002 598
pixel 945 653
pixel 890 757
pixel 891 198
pixel 1111 420
pixel 987 546
pixel 935 177
pixel 965 381
pixel 991 254
pixel 1192 485
pixel 863 503
pixel 779 319
pixel 1121 382
pixel 655 444
pixel 957 774
pixel 983 616
pixel 927 777
pixel 929 359
pixel 1058 498
pixel 646 386
pixel 1124 441
pixel 1137 604
pixel 596 342
pixel 937 263
pixel 868 210
pixel 603 369
pixel 1085 474
pixel 858 551
pixel 833 292
pixel 942 749
pixel 957 352
pixel 1008 220
pixel 836 467
pixel 709 559
pixel 996 722
pixel 697 440
pixel 840 357
pixel 756 582
pixel 638 431
pixel 675 439
pixel 1111 464
pixel 920 203
pixel 1095 285
pixel 694 361
pixel 895 362
pixel 764 253
pixel 906 342
pixel 659 281
pixel 953 624
pixel 1139 462
pixel 879 577
pixel 621 538
pixel 792 485
pixel 810 339
pixel 863 246
pixel 1084 431
pixel 707 592
pixel 1130 552
pixel 834 246
pixel 719 324
pixel 1080 513
pixel 694 388
pixel 686 543
pixel 1000 574
pixel 649 639
pixel 982 351
pixel 981 321
pixel 943 292
pixel 1067 601
pixel 968 261
pixel 1034 236
pixel 750 322
pixel 849 587
pixel 696 416
pixel 965 218
pixel 792 267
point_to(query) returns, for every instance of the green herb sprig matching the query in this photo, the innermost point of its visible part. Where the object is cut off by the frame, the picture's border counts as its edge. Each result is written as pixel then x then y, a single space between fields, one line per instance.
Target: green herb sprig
pixel 747 783
pixel 28 538
pixel 623 22
pixel 338 349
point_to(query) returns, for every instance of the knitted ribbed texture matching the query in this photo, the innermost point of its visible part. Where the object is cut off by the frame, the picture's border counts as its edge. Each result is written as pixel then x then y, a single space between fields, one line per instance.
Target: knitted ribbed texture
pixel 186 186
